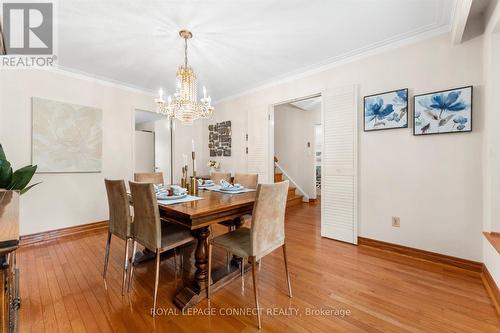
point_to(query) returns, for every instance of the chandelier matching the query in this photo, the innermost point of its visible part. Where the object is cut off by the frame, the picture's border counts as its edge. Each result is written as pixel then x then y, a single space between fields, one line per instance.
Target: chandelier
pixel 184 106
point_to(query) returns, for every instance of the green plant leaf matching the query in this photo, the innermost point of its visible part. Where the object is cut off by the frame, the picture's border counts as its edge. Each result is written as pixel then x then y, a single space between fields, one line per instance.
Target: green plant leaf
pixel 27 188
pixel 5 173
pixel 22 177
pixel 2 153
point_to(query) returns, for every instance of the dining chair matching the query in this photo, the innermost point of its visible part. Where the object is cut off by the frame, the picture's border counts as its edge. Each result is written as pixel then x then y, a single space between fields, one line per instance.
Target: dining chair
pixel 266 234
pixel 151 232
pixel 216 177
pixel 120 222
pixel 149 177
pixel 248 180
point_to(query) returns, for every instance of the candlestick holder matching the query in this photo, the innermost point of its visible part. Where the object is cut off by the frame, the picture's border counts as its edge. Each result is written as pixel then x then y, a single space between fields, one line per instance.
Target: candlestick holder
pixel 184 180
pixel 193 186
pixel 193 156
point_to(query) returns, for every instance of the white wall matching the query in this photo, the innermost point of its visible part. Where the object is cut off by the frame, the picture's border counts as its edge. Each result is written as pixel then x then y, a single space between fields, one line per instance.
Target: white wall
pixel 293 129
pixel 433 183
pixel 64 200
pixel 237 162
pixel 183 136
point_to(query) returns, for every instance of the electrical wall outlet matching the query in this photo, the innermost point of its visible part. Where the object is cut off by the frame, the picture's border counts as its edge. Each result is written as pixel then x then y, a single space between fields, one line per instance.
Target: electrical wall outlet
pixel 395 221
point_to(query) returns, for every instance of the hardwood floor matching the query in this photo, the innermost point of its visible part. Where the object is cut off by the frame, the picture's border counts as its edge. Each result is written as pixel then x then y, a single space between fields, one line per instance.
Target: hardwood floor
pixel 62 290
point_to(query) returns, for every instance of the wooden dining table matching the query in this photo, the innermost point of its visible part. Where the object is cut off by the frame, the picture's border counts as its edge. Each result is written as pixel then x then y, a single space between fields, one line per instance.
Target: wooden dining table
pixel 199 215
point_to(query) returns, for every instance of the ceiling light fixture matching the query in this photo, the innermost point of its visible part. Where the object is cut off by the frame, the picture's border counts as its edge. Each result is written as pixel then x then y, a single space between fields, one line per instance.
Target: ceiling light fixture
pixel 184 105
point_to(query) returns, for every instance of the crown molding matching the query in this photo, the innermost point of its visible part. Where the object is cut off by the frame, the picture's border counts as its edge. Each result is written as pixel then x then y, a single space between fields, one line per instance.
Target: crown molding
pixel 74 73
pixel 397 41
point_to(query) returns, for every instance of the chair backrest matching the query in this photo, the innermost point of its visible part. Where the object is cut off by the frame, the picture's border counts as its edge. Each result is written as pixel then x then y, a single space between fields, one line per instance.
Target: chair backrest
pixel 147 224
pixel 149 177
pixel 217 176
pixel 119 208
pixel 248 180
pixel 268 218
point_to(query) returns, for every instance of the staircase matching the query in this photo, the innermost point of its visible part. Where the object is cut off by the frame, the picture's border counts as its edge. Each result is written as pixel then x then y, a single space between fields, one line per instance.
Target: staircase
pixel 293 199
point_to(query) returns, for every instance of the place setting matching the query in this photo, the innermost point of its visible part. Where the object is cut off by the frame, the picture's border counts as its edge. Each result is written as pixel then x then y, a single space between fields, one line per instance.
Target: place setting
pixel 173 194
pixel 226 187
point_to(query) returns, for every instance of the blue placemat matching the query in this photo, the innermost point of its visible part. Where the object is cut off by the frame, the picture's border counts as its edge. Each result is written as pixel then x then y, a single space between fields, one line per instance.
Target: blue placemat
pixel 176 201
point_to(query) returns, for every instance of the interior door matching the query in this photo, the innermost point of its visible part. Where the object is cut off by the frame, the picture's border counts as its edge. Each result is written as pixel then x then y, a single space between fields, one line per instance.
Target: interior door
pixel 144 151
pixel 339 201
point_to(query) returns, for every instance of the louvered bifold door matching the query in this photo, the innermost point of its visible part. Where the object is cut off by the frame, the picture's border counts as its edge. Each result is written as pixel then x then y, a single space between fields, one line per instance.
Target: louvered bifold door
pixel 339 165
pixel 258 141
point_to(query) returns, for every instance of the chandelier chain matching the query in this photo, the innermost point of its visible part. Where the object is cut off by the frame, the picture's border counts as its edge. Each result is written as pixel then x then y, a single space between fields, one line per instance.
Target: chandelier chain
pixel 185 52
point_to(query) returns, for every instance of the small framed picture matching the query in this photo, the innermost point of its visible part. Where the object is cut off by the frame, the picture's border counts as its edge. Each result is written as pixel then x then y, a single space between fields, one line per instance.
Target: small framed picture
pixel 386 110
pixel 447 111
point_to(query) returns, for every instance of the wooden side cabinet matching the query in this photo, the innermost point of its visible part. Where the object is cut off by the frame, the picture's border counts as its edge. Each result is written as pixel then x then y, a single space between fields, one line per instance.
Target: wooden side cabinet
pixel 9 274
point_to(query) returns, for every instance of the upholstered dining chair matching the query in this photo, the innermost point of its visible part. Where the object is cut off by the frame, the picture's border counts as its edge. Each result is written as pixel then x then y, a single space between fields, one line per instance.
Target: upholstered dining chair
pixel 248 180
pixel 151 233
pixel 216 177
pixel 149 177
pixel 120 222
pixel 266 234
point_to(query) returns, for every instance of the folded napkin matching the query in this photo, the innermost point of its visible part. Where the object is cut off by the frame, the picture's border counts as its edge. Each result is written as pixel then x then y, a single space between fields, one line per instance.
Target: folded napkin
pixel 226 185
pixel 202 182
pixel 178 190
pixel 159 188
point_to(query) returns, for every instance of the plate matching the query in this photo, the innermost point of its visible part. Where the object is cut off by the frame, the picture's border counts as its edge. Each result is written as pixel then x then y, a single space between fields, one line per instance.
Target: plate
pixel 171 197
pixel 232 189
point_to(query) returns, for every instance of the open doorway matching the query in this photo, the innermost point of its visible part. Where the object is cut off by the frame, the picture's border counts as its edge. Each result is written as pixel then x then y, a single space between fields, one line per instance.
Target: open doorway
pixel 150 137
pixel 297 143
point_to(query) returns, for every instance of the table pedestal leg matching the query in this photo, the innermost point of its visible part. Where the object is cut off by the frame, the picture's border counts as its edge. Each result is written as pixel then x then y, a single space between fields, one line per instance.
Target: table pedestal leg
pixel 201 258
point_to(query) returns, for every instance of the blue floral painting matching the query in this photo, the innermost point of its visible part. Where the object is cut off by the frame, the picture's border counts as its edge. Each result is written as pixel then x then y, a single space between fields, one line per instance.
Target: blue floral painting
pixel 387 110
pixel 448 111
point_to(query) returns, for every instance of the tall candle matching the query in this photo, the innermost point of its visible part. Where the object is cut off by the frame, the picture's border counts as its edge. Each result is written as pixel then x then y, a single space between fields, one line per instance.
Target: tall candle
pixel 192 144
pixel 184 159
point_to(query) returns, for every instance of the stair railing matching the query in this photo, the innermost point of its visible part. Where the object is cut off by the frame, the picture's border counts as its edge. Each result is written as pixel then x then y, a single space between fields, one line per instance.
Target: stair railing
pixel 305 196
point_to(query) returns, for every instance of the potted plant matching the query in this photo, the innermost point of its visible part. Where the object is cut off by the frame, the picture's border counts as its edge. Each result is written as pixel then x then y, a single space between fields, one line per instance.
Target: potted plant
pixel 213 165
pixel 15 180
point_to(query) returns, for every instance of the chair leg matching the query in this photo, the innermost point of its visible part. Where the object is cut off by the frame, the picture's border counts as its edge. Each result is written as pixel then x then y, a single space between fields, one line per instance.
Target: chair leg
pixel 228 259
pixel 287 273
pixel 209 289
pixel 242 273
pixel 132 261
pixel 106 256
pixel 175 263
pixel 125 267
pixel 156 280
pixel 256 291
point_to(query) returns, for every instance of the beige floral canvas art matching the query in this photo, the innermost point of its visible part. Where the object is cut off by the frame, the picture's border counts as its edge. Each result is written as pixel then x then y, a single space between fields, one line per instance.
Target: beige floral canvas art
pixel 66 137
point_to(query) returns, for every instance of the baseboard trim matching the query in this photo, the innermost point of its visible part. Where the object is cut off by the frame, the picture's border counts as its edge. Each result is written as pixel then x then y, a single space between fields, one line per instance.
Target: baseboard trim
pixel 491 287
pixel 469 265
pixel 45 236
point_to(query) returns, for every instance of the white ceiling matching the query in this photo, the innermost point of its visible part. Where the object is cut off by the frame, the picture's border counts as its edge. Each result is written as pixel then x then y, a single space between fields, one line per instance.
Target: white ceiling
pixel 308 104
pixel 238 44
